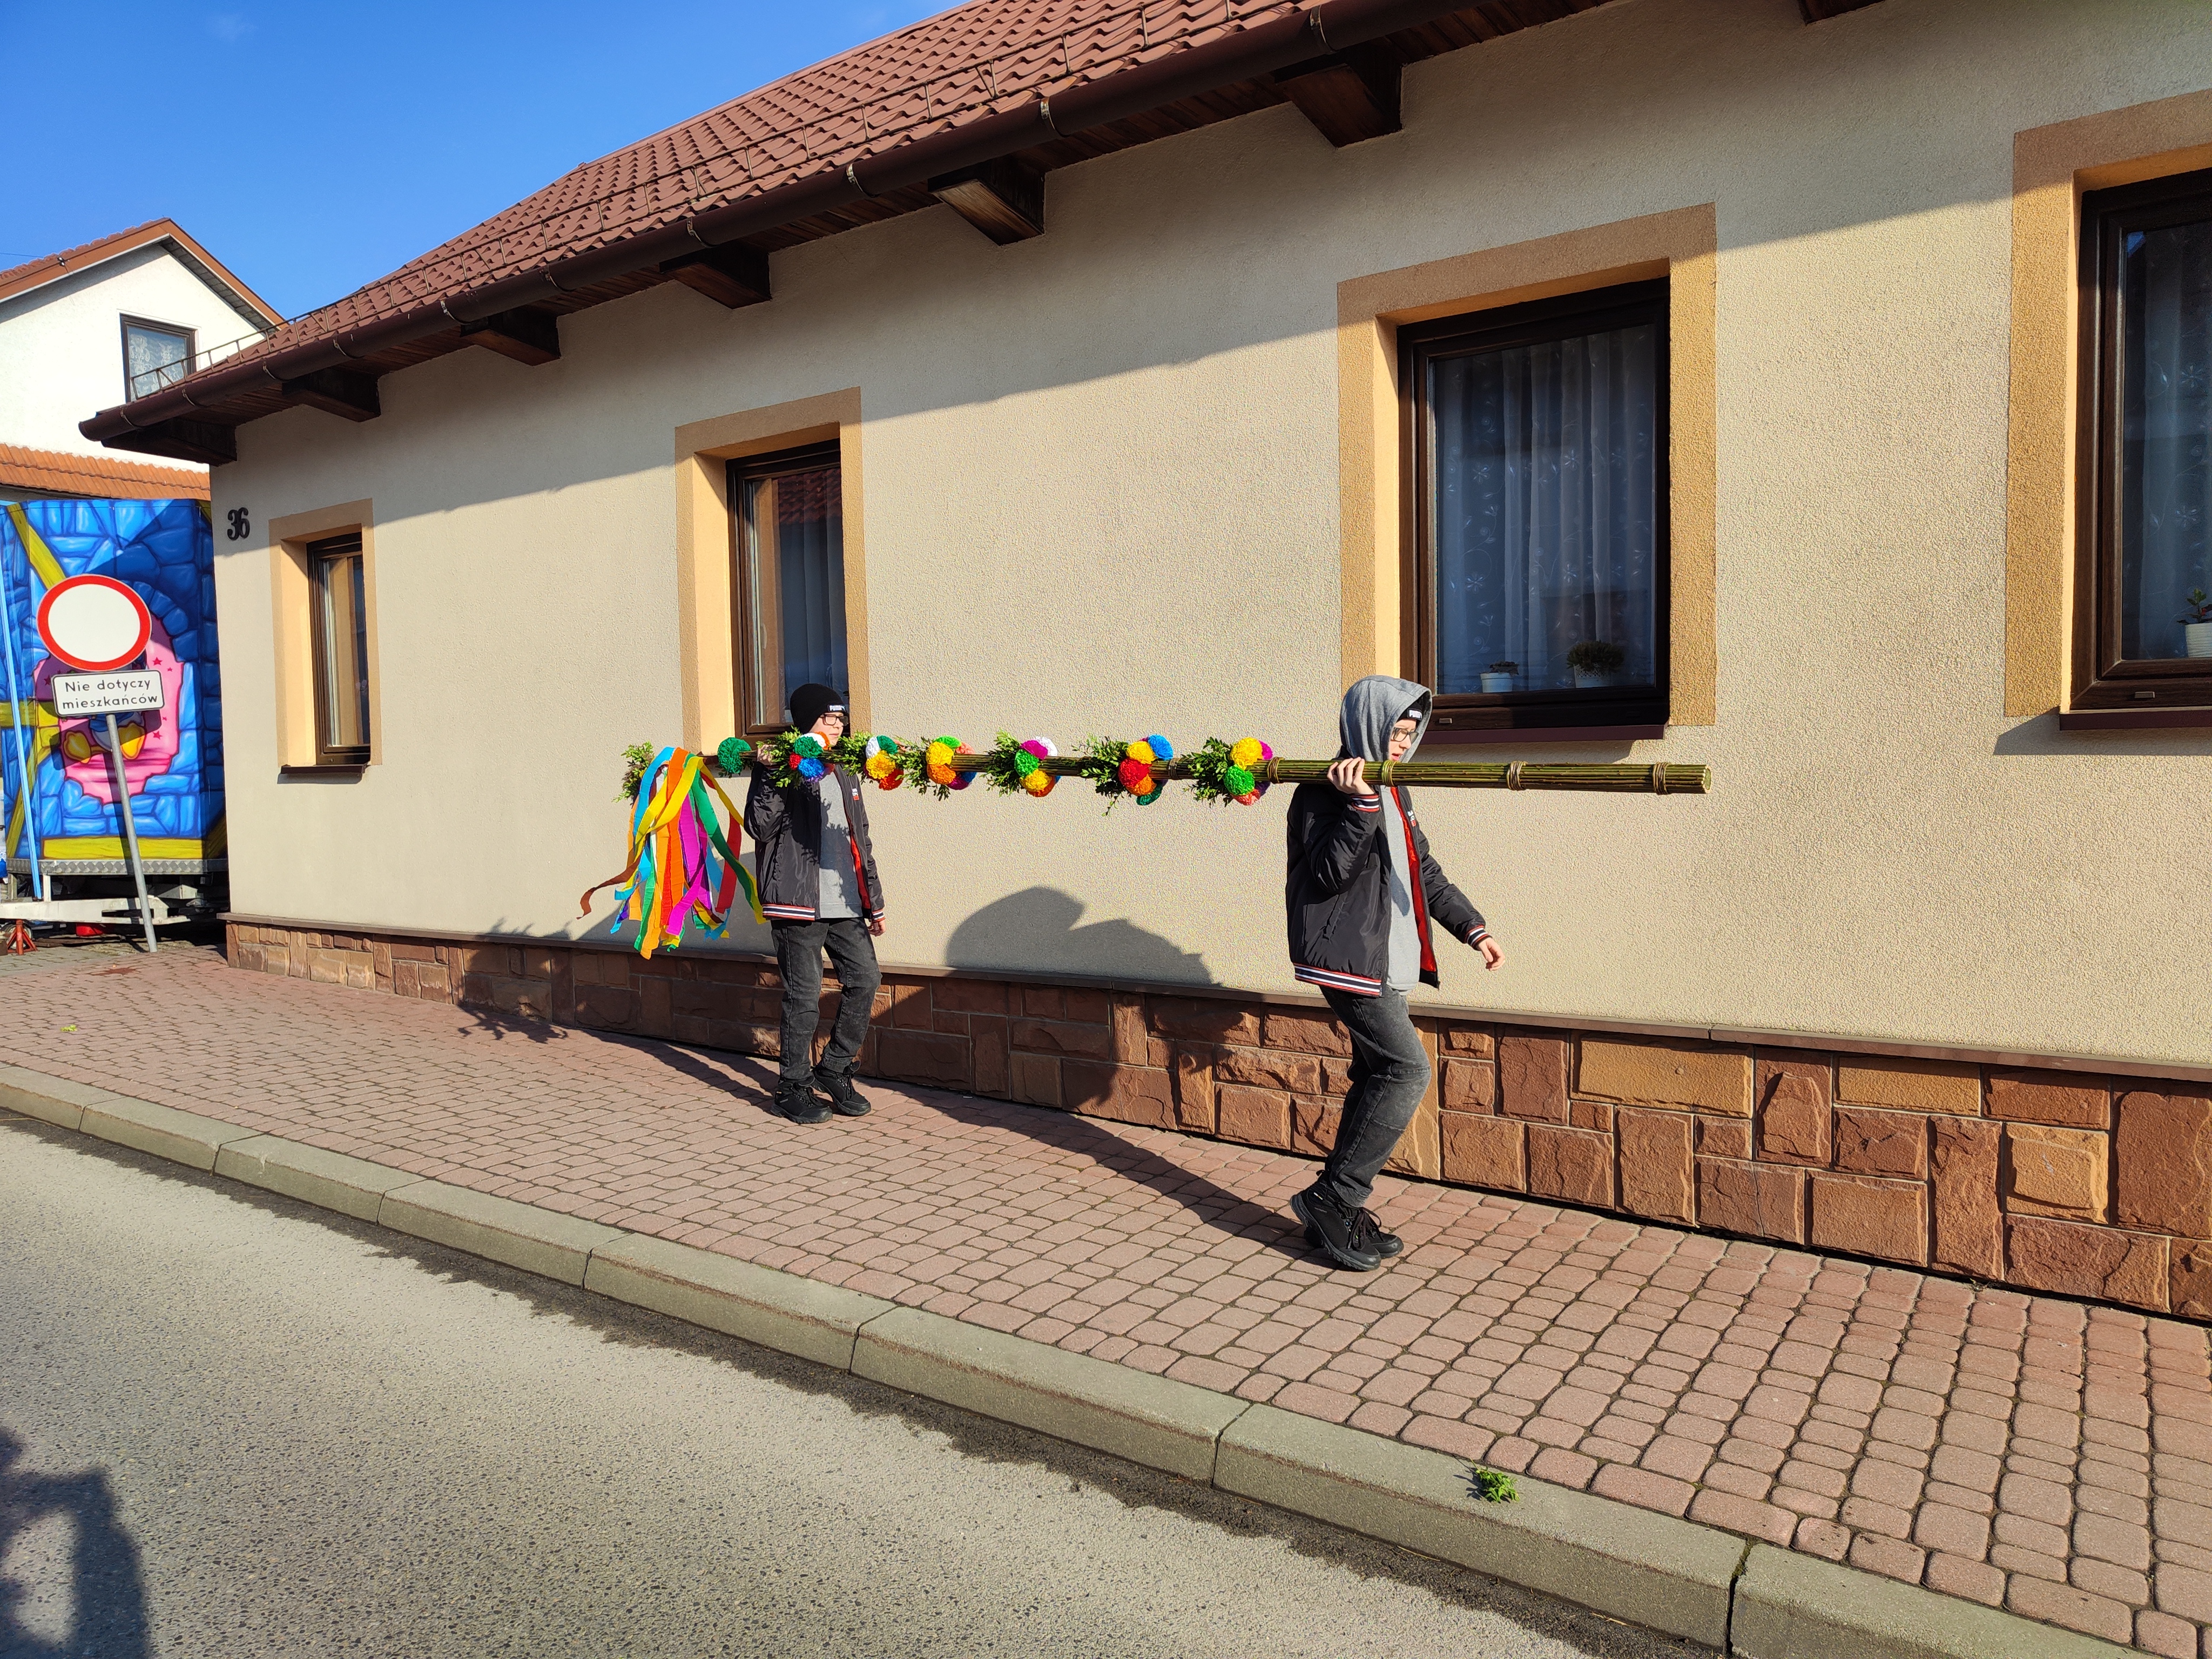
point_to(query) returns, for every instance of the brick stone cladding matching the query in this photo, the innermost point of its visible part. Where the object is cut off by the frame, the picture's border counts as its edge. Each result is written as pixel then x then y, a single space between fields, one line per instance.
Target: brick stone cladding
pixel 2061 1181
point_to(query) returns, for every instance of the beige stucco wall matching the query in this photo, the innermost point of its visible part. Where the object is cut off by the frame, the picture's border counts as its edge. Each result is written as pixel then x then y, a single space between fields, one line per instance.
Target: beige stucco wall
pixel 1122 439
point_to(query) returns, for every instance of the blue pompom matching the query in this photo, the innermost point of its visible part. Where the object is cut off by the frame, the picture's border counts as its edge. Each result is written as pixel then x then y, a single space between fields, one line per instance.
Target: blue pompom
pixel 1162 748
pixel 811 768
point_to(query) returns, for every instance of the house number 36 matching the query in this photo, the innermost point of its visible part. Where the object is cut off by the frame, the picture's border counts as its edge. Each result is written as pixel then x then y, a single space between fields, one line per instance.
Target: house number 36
pixel 241 526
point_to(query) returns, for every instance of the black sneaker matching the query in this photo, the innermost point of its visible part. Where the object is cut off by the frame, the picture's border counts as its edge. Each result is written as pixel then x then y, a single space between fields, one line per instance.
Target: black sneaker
pixel 844 1099
pixel 798 1101
pixel 1385 1245
pixel 1335 1232
pixel 1370 1233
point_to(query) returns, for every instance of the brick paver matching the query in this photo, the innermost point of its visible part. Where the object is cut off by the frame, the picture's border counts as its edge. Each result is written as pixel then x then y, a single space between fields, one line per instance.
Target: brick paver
pixel 2018 1450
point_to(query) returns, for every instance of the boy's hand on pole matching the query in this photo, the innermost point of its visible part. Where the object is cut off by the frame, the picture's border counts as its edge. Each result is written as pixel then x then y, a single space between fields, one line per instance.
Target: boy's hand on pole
pixel 876 926
pixel 1346 776
pixel 1491 955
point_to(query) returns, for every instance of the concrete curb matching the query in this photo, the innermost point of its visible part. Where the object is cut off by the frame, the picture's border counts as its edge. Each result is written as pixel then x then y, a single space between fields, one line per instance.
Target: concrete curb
pixel 1650 1569
pixel 778 1310
pixel 1796 1607
pixel 1071 1396
pixel 1686 1580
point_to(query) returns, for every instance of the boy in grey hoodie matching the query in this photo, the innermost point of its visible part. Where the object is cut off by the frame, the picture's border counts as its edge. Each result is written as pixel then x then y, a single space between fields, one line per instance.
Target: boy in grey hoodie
pixel 1364 897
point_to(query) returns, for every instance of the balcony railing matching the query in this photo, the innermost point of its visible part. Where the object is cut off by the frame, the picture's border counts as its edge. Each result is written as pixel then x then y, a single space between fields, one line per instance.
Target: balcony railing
pixel 148 381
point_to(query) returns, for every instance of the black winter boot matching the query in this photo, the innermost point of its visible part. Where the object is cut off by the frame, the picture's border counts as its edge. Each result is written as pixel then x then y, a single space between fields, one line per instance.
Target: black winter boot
pixel 1371 1232
pixel 838 1087
pixel 795 1099
pixel 1335 1230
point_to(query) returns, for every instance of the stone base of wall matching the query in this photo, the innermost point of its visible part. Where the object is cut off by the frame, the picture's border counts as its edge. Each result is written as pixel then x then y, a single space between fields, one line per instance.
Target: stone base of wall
pixel 2050 1180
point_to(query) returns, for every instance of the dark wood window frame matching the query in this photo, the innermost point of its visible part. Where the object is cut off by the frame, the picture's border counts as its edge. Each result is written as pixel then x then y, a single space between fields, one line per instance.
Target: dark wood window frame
pixel 1612 712
pixel 192 337
pixel 2101 678
pixel 755 603
pixel 316 555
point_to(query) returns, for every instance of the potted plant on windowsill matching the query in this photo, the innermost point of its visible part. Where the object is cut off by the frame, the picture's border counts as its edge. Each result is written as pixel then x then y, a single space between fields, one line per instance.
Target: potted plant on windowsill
pixel 1500 676
pixel 1594 662
pixel 2196 624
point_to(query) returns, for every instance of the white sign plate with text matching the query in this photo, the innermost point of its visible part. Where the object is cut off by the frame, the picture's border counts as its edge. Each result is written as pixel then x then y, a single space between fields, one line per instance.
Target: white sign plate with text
pixel 124 693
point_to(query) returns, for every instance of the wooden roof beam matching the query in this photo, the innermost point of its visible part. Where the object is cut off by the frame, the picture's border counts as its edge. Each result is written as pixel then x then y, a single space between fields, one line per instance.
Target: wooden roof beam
pixel 182 440
pixel 734 275
pixel 528 337
pixel 344 392
pixel 1350 97
pixel 1003 199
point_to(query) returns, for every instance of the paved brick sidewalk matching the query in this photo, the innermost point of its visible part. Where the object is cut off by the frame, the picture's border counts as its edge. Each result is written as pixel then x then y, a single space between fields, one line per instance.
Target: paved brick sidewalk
pixel 2018 1451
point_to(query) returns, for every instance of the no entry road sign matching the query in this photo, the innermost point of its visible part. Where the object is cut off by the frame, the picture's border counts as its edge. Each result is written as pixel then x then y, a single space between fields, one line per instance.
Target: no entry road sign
pixel 125 693
pixel 94 622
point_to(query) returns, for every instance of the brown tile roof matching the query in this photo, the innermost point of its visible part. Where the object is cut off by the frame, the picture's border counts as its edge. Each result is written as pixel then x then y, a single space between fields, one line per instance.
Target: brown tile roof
pixel 844 140
pixel 53 473
pixel 36 273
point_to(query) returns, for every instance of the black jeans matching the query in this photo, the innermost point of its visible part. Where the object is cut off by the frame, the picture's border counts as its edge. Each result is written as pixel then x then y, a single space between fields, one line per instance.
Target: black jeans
pixel 1389 1075
pixel 799 948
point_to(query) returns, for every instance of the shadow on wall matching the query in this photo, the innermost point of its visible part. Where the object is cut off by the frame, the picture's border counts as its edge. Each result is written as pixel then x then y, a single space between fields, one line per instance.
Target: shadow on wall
pixel 69 1587
pixel 1037 930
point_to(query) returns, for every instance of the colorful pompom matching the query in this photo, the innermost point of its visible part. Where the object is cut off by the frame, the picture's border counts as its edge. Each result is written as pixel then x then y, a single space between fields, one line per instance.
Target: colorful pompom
pixel 879 766
pixel 1265 753
pixel 809 767
pixel 1246 800
pixel 1239 782
pixel 1136 774
pixel 1140 751
pixel 891 780
pixel 808 745
pixel 1244 752
pixel 879 744
pixel 1038 783
pixel 1025 763
pixel 1161 748
pixel 1040 747
pixel 1157 791
pixel 794 760
pixel 730 756
pixel 962 779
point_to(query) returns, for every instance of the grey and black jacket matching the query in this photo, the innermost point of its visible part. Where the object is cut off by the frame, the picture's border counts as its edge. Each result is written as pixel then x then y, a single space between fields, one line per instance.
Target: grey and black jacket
pixel 1338 890
pixel 786 827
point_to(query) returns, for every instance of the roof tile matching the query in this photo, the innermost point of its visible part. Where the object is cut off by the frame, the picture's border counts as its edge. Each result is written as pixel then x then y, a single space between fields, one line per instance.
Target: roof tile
pixel 53 472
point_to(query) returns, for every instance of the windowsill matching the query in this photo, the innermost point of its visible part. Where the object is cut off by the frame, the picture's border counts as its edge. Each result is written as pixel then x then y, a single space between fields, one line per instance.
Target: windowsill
pixel 2132 719
pixel 333 770
pixel 1464 736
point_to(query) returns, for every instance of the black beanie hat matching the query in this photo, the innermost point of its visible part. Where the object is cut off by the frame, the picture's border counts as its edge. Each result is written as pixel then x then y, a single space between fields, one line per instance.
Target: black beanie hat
pixel 811 702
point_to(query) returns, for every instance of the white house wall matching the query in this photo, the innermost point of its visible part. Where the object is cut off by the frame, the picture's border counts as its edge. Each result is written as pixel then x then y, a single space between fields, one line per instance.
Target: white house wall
pixel 61 345
pixel 1118 443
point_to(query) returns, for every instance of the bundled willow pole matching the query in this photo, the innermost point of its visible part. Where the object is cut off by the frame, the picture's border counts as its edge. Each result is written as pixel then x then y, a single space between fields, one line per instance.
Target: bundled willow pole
pixel 1658 779
pixel 1218 771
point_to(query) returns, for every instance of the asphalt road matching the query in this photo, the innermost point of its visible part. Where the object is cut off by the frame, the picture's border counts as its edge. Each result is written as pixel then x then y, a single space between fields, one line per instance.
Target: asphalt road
pixel 232 1425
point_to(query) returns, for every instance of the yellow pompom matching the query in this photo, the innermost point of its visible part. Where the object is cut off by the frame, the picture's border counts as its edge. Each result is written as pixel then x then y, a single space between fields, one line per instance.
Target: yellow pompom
pixel 1039 783
pixel 1244 752
pixel 1141 750
pixel 939 752
pixel 879 767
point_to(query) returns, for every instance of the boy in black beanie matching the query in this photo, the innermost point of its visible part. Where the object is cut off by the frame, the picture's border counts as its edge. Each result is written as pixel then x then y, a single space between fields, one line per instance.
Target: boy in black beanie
pixel 819 891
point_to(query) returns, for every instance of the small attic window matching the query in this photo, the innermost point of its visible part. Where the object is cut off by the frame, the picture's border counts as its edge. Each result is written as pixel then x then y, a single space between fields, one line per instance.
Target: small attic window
pixel 154 355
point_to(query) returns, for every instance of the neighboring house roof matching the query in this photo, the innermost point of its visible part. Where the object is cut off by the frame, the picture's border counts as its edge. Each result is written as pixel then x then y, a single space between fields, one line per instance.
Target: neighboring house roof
pixel 36 273
pixel 49 473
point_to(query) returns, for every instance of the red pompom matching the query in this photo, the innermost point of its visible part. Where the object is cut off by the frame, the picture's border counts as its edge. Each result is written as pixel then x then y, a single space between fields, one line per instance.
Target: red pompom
pixel 1136 777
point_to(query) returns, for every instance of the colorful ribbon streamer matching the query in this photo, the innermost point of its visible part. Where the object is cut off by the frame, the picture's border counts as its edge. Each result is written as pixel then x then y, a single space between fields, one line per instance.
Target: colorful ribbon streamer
pixel 678 857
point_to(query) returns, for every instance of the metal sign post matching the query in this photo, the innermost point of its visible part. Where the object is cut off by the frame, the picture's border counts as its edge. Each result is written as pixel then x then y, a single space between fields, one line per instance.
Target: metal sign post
pixel 98 624
pixel 131 834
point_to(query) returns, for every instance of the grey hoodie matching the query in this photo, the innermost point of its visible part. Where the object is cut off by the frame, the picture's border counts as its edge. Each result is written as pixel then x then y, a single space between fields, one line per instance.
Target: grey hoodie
pixel 1371 708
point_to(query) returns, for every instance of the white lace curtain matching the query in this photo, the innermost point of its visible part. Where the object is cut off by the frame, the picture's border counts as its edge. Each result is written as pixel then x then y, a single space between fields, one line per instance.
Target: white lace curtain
pixel 2165 472
pixel 1545 462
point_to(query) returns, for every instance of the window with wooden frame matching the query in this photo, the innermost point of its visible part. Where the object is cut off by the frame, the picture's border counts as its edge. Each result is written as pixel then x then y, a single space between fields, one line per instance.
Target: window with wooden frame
pixel 154 355
pixel 2144 567
pixel 787 578
pixel 337 586
pixel 1537 512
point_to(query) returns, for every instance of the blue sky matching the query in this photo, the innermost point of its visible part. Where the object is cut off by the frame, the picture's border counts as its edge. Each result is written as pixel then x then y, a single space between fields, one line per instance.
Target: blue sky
pixel 313 146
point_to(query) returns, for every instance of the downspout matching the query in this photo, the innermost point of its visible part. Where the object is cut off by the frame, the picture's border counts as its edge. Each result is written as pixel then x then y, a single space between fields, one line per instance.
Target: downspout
pixel 1332 27
pixel 15 726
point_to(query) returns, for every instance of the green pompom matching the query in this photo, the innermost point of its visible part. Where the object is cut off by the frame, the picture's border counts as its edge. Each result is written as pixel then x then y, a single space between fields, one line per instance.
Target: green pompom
pixel 1238 781
pixel 886 746
pixel 809 746
pixel 1146 800
pixel 730 754
pixel 1024 762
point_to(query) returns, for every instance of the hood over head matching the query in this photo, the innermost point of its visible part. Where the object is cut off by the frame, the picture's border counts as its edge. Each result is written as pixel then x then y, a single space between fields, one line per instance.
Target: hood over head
pixel 1372 706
